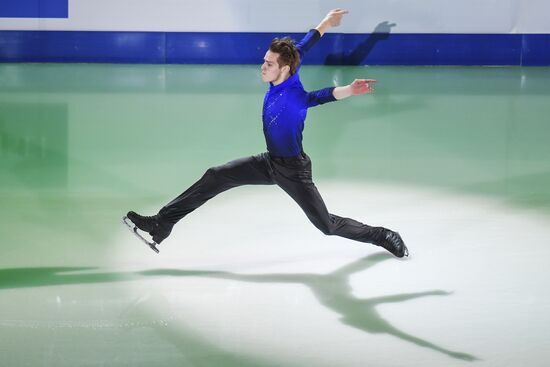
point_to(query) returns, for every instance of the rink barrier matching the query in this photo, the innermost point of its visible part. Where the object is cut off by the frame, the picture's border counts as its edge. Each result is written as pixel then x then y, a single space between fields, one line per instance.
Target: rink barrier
pixel 249 48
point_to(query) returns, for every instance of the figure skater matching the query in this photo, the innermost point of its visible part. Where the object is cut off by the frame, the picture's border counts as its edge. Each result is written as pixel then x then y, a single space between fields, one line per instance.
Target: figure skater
pixel 284 164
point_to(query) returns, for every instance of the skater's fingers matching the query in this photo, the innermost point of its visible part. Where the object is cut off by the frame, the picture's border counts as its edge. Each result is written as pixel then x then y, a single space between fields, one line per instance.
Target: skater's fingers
pixel 365 81
pixel 339 11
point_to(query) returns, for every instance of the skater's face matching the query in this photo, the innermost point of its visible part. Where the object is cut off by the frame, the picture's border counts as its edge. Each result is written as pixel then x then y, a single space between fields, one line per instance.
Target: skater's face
pixel 272 71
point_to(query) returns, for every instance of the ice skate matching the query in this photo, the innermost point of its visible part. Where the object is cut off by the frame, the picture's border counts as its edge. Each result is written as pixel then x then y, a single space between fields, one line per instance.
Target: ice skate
pixel 391 241
pixel 151 225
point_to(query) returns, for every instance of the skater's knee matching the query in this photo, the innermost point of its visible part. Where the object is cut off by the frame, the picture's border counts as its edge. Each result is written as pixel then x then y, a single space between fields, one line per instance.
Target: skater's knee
pixel 212 171
pixel 326 228
pixel 217 178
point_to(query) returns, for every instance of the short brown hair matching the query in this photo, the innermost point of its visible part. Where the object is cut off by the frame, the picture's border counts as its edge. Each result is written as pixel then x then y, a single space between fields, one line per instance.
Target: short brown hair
pixel 288 53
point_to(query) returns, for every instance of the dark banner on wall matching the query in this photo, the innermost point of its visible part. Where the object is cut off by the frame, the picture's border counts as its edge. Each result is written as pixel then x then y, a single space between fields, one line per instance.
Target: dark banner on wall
pixel 34 9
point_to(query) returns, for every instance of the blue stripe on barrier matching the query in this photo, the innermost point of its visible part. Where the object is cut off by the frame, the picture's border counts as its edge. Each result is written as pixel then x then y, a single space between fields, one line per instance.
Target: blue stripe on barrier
pixel 66 46
pixel 34 9
pixel 536 50
pixel 249 48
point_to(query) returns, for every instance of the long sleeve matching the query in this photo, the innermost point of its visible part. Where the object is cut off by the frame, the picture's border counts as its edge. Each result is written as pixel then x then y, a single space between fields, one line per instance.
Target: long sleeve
pixel 308 41
pixel 321 96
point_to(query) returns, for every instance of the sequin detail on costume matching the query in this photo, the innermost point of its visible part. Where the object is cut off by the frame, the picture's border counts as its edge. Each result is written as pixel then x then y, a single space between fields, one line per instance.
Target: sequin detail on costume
pixel 273 116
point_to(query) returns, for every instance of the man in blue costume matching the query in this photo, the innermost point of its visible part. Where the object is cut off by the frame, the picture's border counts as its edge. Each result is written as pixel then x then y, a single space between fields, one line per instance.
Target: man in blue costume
pixel 284 164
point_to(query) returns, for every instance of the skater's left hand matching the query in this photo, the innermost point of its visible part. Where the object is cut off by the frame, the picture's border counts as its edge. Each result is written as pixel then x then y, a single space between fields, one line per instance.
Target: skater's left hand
pixel 332 19
pixel 362 86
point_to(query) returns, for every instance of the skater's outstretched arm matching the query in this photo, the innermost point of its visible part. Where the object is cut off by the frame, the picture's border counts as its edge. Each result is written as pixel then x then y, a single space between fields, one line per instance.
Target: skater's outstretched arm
pixel 357 87
pixel 332 19
pixel 331 94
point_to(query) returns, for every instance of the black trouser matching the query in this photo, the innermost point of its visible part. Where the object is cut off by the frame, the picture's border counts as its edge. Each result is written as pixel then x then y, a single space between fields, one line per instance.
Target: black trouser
pixel 293 175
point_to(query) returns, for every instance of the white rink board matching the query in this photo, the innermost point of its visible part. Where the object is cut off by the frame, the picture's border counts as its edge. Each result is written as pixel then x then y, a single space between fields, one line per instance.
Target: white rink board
pixel 410 16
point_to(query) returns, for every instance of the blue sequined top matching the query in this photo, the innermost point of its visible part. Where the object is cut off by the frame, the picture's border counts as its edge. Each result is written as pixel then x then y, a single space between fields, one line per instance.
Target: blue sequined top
pixel 285 107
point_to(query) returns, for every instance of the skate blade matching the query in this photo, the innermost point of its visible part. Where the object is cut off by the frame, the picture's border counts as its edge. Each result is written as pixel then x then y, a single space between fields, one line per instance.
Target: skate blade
pixel 132 227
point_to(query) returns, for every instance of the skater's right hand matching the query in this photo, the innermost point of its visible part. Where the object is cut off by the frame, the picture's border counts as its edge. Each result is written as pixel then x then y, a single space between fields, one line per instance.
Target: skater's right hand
pixel 362 86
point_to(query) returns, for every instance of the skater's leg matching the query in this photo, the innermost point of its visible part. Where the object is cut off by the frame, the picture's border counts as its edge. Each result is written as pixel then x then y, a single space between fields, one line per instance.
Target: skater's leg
pixel 245 171
pixel 308 198
pixel 296 181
